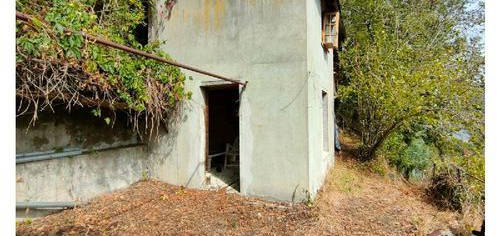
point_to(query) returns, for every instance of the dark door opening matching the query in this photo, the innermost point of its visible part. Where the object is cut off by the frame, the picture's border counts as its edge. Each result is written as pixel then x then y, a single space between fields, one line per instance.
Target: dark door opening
pixel 222 122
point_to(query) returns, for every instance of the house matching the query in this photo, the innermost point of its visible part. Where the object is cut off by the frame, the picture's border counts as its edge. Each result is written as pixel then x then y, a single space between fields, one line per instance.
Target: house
pixel 271 138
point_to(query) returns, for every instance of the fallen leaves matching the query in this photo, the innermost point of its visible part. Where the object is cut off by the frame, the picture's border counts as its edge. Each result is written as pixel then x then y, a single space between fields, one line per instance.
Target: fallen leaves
pixel 378 206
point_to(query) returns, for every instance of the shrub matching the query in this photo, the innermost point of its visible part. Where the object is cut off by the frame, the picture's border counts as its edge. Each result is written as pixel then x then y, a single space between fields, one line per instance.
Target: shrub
pixel 415 158
pixel 446 191
pixel 411 159
pixel 458 186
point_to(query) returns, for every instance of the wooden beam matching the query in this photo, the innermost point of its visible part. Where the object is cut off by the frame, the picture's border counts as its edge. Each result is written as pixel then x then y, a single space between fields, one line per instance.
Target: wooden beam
pixel 337 29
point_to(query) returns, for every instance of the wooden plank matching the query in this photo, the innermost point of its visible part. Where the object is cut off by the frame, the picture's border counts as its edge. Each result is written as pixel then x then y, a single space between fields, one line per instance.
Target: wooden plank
pixel 337 29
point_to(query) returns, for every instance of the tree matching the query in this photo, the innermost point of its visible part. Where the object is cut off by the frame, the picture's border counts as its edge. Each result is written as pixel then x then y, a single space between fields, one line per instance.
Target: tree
pixel 407 62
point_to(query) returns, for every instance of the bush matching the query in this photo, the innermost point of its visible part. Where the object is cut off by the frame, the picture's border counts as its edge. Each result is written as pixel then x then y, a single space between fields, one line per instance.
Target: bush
pixel 458 186
pixel 411 159
pixel 415 159
pixel 446 191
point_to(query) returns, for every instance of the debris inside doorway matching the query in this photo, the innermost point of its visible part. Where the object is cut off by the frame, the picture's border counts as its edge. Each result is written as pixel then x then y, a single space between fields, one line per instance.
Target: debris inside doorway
pixel 222 120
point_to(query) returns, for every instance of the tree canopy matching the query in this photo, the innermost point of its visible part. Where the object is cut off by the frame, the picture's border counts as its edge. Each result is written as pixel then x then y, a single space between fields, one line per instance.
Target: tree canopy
pixel 411 78
pixel 409 61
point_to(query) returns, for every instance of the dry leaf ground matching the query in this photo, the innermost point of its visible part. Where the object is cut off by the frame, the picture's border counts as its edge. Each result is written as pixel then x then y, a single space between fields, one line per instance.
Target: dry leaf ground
pixel 352 202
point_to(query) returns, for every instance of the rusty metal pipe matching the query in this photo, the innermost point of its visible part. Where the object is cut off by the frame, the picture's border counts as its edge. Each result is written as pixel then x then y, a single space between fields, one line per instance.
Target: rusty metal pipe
pixel 105 42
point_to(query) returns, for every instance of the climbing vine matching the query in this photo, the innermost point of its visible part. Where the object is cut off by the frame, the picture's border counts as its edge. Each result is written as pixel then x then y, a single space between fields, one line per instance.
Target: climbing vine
pixel 54 66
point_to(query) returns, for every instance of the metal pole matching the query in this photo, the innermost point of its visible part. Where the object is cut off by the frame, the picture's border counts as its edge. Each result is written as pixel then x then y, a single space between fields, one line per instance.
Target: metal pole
pixel 38 205
pixel 42 156
pixel 105 42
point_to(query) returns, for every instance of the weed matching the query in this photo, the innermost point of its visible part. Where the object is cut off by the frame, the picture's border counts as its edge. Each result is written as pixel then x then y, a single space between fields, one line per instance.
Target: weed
pixel 28 221
pixel 348 182
pixel 308 201
pixel 180 191
pixel 417 221
pixel 145 175
pixel 234 223
pixel 294 192
pixel 59 149
pixel 377 166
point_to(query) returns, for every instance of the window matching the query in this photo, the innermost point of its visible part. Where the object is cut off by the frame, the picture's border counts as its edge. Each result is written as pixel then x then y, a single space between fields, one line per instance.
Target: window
pixel 329 29
pixel 330 24
pixel 324 97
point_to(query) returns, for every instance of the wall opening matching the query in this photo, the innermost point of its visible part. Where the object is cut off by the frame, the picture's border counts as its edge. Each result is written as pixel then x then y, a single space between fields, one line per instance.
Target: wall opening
pixel 141 30
pixel 222 124
pixel 324 101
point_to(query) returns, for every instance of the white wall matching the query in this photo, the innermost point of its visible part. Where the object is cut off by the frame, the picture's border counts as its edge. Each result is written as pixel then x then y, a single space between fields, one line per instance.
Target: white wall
pixel 320 71
pixel 263 42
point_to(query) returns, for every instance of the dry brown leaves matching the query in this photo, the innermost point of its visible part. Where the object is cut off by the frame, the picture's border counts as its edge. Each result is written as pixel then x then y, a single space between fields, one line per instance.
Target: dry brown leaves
pixel 351 202
pixel 355 202
pixel 154 208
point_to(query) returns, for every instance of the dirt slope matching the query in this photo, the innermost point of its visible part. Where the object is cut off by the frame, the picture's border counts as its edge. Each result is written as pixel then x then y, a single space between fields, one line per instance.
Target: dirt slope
pixel 351 202
pixel 356 202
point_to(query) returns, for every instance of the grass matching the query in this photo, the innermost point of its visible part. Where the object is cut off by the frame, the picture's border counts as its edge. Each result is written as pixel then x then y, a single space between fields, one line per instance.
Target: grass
pixel 347 181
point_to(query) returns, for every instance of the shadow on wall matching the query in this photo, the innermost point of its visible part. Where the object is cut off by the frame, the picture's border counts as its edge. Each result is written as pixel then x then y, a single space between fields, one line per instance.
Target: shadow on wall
pixel 164 142
pixel 80 128
pixel 88 175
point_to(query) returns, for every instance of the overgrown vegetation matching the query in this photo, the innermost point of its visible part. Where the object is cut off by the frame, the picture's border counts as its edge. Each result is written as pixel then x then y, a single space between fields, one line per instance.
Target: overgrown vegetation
pixel 412 88
pixel 411 159
pixel 54 66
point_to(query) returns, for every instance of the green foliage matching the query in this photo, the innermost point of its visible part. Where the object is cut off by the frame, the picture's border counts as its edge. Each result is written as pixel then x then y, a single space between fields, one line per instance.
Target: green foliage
pixel 462 175
pixel 416 157
pixel 405 62
pixel 379 166
pixel 28 221
pixel 142 84
pixel 411 153
pixel 145 175
pixel 412 75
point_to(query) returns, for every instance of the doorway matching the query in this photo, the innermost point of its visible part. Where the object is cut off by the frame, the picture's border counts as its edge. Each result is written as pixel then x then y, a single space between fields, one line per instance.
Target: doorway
pixel 222 138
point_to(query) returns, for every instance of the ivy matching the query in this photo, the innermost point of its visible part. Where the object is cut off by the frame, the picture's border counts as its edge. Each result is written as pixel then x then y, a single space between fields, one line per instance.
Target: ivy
pixel 146 86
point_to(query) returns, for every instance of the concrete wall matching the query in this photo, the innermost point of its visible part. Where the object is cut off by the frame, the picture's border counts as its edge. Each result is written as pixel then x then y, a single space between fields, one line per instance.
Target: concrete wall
pixel 269 44
pixel 80 177
pixel 79 129
pixel 260 41
pixel 320 72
